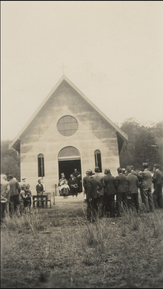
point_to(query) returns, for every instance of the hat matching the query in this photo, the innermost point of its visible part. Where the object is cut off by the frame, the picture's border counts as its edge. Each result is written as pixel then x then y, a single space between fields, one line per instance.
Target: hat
pixel 90 173
pixel 119 170
pixel 145 165
pixel 23 179
pixel 156 166
pixel 97 169
pixel 123 169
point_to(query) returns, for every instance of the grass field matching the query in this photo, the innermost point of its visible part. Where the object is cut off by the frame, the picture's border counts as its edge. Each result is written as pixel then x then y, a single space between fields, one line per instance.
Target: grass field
pixel 57 247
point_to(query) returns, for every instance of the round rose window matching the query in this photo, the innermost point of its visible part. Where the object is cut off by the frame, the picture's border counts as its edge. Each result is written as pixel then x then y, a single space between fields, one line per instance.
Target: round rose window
pixel 67 125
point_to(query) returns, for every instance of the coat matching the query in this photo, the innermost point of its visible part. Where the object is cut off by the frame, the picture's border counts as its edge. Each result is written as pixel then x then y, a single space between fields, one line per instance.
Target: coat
pixel 133 183
pixel 85 185
pixel 14 187
pixel 157 177
pixel 146 179
pixel 5 188
pixel 109 184
pixel 121 184
pixel 93 186
pixel 39 188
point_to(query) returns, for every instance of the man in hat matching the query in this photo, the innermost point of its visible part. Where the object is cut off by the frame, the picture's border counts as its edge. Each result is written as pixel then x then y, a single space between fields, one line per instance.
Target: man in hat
pixel 146 184
pixel 99 177
pixel 109 187
pixel 121 191
pixel 158 181
pixel 93 185
pixel 133 184
pixel 124 171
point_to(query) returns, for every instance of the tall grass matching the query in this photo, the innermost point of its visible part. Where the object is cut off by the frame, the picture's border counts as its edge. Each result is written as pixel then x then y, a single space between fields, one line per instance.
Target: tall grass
pixel 66 250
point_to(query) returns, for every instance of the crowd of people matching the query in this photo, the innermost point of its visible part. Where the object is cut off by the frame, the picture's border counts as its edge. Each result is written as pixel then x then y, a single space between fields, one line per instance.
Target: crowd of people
pixel 105 195
pixel 71 186
pixel 100 191
pixel 15 196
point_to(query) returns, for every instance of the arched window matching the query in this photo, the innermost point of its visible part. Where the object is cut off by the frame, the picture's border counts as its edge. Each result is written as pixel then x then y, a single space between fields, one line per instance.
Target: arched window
pixel 41 172
pixel 98 162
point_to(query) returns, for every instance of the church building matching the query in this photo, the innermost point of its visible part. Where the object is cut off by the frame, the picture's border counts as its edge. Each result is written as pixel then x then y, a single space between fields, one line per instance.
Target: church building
pixel 67 131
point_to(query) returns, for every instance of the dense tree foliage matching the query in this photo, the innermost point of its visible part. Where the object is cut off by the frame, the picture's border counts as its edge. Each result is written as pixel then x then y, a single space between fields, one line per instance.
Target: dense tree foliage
pixel 145 144
pixel 10 160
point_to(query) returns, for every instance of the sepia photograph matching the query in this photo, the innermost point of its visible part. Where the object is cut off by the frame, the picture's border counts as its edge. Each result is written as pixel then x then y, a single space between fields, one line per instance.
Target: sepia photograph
pixel 81 144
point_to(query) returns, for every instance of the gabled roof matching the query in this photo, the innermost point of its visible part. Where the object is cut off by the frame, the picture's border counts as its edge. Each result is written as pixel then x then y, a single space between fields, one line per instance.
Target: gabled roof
pixel 118 130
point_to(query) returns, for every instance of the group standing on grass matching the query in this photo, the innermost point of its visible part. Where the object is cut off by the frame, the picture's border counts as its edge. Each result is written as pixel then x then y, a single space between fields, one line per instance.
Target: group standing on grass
pixel 15 196
pixel 100 191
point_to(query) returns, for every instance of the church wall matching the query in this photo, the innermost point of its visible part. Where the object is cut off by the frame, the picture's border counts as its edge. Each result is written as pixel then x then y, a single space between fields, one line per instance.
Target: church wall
pixel 43 137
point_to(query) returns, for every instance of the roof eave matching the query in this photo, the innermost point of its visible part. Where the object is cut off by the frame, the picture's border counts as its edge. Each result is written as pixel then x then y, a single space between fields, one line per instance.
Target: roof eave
pixel 17 138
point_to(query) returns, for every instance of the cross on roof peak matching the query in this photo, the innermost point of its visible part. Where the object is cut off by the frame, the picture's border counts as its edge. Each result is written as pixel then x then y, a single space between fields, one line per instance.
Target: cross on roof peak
pixel 63 66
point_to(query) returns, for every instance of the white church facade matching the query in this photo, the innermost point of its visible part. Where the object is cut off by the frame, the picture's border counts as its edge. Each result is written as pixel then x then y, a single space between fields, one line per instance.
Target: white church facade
pixel 67 131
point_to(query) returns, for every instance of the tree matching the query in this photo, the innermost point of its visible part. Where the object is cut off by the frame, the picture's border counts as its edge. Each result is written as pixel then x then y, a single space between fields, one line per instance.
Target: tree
pixel 10 161
pixel 142 145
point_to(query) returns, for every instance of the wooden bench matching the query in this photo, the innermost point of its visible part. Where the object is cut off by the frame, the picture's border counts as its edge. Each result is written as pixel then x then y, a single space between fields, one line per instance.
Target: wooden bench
pixel 42 200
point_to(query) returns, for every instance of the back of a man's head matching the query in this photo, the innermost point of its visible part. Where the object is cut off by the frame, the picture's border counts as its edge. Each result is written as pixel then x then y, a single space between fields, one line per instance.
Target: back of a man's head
pixel 108 172
pixel 97 170
pixel 128 170
pixel 10 177
pixel 119 170
pixel 156 166
pixel 145 165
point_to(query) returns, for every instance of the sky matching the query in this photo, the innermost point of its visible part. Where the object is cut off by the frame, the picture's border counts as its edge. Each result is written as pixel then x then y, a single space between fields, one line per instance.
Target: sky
pixel 113 52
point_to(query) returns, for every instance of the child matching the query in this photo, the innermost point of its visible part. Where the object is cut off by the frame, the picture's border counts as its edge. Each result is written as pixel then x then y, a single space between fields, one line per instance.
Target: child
pixel 22 197
pixel 28 195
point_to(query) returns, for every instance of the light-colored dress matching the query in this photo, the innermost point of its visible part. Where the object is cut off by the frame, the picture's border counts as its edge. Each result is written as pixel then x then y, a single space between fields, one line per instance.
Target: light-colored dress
pixel 63 186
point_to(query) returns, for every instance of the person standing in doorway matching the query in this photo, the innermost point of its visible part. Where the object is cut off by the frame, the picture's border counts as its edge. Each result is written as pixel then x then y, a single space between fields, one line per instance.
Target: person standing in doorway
pixel 73 184
pixel 77 175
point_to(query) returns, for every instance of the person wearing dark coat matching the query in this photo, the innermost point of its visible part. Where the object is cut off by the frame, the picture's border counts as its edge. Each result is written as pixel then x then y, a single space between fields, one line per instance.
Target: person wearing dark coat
pixel 121 191
pixel 109 187
pixel 146 184
pixel 85 180
pixel 39 190
pixel 73 184
pixel 157 179
pixel 99 177
pixel 77 175
pixel 14 195
pixel 93 186
pixel 133 185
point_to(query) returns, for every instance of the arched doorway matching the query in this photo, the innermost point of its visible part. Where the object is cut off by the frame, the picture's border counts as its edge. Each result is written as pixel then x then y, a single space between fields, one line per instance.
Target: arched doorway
pixel 69 159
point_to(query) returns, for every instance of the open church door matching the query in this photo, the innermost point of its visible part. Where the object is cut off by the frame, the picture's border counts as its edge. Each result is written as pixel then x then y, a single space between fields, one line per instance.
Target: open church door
pixel 68 160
